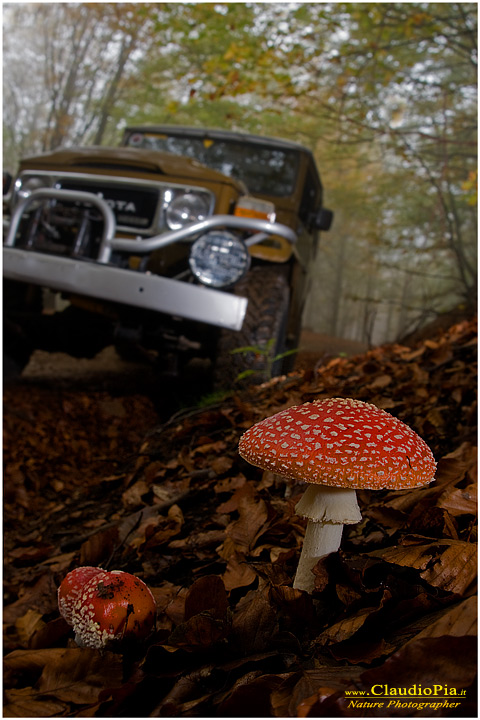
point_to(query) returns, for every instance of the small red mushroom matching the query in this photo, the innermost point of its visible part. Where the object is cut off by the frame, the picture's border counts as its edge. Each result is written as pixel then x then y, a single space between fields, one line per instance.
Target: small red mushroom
pixel 71 587
pixel 338 445
pixel 109 606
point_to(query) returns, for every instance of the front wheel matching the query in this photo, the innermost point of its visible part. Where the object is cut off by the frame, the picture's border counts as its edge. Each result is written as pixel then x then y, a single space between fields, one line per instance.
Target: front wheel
pixel 16 350
pixel 20 303
pixel 254 353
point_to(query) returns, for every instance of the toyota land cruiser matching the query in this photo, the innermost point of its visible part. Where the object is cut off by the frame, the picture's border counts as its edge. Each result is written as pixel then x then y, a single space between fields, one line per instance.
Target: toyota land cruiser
pixel 182 242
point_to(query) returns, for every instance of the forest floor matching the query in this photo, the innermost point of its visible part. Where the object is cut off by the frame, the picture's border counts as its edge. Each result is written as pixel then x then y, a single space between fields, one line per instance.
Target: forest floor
pixel 107 464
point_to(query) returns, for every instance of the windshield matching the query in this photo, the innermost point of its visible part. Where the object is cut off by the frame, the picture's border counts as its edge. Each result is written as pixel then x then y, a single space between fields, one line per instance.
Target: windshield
pixel 264 170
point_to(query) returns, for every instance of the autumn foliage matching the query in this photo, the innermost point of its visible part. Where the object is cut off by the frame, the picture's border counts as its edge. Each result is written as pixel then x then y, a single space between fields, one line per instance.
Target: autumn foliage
pixel 97 479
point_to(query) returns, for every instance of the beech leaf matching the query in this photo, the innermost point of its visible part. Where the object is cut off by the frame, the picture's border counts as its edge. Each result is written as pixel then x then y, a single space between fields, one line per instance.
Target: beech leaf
pixel 111 475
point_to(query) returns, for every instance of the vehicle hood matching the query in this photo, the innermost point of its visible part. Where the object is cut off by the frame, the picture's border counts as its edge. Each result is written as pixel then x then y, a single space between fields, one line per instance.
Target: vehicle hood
pixel 125 161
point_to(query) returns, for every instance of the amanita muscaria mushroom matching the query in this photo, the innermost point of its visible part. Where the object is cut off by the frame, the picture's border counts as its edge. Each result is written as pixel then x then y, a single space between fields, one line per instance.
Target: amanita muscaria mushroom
pixel 102 606
pixel 337 445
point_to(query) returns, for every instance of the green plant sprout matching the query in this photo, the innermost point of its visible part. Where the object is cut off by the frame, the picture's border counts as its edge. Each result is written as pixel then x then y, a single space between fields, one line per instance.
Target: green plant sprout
pixel 265 351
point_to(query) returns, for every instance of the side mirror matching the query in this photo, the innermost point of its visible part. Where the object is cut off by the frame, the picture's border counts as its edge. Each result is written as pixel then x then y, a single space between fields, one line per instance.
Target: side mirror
pixel 323 219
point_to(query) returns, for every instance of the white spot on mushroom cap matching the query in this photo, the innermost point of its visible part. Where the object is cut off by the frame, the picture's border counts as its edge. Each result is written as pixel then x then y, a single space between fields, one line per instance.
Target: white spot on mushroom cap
pixel 390 454
pixel 87 629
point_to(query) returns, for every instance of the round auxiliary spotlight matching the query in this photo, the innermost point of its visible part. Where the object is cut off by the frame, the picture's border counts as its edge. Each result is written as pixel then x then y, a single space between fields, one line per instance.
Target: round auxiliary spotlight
pixel 219 259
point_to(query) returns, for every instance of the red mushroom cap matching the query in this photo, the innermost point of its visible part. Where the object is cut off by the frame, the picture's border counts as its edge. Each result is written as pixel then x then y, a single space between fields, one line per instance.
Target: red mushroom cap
pixel 71 588
pixel 112 606
pixel 342 443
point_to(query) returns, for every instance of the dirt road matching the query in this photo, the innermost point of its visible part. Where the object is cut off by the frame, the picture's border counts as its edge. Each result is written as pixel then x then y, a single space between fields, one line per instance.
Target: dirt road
pixel 108 370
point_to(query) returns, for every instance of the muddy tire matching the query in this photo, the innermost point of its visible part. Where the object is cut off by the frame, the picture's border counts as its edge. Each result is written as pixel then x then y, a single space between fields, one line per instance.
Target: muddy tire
pixel 264 330
pixel 16 351
pixel 19 300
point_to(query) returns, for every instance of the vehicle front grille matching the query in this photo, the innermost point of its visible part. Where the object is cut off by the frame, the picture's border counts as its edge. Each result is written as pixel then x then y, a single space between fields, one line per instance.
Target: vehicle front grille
pixel 74 226
pixel 135 208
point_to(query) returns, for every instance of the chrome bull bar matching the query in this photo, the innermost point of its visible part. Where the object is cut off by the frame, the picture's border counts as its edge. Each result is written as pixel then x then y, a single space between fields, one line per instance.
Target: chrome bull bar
pixel 99 279
pixel 261 229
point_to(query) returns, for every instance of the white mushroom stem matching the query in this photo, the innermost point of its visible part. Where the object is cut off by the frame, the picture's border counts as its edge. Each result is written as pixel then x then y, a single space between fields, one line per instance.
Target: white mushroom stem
pixel 328 509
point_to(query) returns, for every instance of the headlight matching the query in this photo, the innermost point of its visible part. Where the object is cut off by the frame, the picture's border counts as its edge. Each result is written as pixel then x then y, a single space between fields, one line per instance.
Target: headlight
pixel 219 259
pixel 25 185
pixel 186 208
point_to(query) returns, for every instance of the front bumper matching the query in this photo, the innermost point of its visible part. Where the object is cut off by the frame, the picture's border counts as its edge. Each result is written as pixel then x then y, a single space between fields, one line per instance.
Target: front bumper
pixel 142 290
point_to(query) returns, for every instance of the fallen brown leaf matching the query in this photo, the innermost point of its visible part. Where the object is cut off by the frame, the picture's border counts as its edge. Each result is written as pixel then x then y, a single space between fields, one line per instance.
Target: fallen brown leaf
pixel 218 542
pixel 447 564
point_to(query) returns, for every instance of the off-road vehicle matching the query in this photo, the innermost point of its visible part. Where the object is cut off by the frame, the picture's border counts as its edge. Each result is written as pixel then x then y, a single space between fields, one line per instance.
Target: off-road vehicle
pixel 181 242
